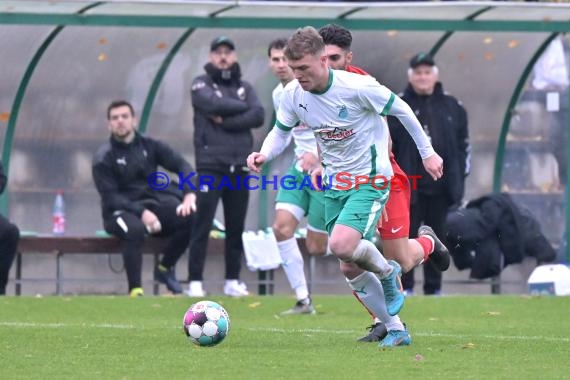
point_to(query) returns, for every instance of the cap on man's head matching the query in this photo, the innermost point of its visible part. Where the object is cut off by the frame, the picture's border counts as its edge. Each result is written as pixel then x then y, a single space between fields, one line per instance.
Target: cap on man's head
pixel 421 59
pixel 222 40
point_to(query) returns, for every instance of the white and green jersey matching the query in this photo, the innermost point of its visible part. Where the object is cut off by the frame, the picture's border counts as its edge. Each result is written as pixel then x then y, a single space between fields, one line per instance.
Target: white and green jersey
pixel 303 136
pixel 346 119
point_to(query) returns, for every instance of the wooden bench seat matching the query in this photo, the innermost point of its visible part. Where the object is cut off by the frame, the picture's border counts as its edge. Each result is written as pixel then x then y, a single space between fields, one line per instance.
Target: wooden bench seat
pixel 62 245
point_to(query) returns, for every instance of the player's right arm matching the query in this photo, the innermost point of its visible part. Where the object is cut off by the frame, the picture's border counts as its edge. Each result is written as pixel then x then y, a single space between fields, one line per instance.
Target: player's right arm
pixel 278 137
pixel 272 146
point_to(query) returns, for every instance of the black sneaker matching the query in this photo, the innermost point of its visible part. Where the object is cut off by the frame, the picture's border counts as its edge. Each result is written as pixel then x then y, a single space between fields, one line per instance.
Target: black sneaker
pixel 440 257
pixel 168 278
pixel 377 332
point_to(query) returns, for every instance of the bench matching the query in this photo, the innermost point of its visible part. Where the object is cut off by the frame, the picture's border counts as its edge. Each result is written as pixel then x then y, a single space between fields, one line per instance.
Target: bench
pixel 60 246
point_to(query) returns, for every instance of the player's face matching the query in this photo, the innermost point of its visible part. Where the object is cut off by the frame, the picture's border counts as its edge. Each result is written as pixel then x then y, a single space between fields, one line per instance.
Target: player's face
pixel 423 79
pixel 311 71
pixel 278 64
pixel 223 57
pixel 338 59
pixel 122 123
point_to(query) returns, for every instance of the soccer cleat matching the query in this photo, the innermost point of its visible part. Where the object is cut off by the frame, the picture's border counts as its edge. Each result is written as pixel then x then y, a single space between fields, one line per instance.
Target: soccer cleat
pixel 377 332
pixel 195 290
pixel 440 257
pixel 136 292
pixel 396 338
pixel 393 292
pixel 167 277
pixel 301 307
pixel 233 288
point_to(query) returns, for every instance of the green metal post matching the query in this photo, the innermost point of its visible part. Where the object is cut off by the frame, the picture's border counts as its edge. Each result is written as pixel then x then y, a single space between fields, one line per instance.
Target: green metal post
pixel 143 125
pixel 448 34
pixel 158 79
pixel 567 190
pixel 17 104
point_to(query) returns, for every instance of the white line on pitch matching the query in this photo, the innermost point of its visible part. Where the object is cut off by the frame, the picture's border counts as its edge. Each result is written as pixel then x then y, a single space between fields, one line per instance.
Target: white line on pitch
pixel 65 325
pixel 428 334
pixel 290 331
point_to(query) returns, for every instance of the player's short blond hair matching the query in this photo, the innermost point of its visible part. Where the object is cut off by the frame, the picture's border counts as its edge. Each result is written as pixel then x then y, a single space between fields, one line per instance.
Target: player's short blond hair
pixel 305 41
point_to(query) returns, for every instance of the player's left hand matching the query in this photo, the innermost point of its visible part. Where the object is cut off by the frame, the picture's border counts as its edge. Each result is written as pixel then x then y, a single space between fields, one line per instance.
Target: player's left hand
pixel 434 166
pixel 383 217
pixel 317 178
pixel 309 162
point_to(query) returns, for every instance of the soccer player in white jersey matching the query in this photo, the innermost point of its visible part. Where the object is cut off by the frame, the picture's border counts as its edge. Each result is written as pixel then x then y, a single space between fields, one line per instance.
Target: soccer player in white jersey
pixel 295 201
pixel 394 231
pixel 344 110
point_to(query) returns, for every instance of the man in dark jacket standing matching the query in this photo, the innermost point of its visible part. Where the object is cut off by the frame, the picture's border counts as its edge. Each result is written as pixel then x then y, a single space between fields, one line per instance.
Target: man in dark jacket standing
pixel 445 121
pixel 9 237
pixel 135 199
pixel 226 108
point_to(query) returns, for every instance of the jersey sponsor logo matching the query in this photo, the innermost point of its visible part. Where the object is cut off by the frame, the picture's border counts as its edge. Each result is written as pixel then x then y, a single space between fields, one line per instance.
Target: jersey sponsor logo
pixel 121 161
pixel 337 134
pixel 395 230
pixel 342 112
pixel 303 107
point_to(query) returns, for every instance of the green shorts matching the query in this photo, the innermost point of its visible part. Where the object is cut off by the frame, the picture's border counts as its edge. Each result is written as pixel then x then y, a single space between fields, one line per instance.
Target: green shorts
pixel 359 209
pixel 295 191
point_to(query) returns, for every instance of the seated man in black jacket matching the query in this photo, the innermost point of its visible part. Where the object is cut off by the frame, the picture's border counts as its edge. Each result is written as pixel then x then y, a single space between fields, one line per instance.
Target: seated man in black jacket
pixel 123 171
pixel 9 236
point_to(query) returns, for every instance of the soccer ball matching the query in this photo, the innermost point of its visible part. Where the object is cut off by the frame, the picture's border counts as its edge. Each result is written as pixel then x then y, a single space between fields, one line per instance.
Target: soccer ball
pixel 206 323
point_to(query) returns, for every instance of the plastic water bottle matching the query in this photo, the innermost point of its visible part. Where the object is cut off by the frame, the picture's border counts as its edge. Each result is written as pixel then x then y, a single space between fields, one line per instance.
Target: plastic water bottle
pixel 58 214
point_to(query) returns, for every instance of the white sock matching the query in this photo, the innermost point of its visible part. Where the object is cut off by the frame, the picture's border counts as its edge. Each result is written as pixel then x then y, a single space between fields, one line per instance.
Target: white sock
pixel 294 267
pixel 369 258
pixel 369 289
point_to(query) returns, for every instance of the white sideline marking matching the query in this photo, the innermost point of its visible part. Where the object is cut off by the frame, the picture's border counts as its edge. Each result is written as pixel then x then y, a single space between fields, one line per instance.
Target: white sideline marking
pixel 290 331
pixel 428 334
pixel 64 325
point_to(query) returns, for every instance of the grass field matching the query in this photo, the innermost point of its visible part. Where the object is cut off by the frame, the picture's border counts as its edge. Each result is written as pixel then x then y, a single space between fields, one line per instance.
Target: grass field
pixel 489 337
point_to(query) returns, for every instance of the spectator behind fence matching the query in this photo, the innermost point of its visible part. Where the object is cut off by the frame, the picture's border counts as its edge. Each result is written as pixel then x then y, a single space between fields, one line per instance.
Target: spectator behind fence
pixel 445 122
pixel 226 108
pixel 9 237
pixel 550 75
pixel 123 171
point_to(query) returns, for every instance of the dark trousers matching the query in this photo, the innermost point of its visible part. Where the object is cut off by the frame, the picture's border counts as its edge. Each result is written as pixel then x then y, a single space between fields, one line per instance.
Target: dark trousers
pixel 176 228
pixel 9 236
pixel 430 210
pixel 234 199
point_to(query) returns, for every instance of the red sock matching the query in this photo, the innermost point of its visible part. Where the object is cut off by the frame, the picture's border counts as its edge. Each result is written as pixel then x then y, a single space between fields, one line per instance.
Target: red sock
pixel 427 245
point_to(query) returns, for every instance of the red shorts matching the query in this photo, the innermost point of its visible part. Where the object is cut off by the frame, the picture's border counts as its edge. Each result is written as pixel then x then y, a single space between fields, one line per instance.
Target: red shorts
pixel 398 206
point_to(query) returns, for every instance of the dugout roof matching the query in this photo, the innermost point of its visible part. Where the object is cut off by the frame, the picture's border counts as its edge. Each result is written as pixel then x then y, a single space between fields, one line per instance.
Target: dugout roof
pixel 62 62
